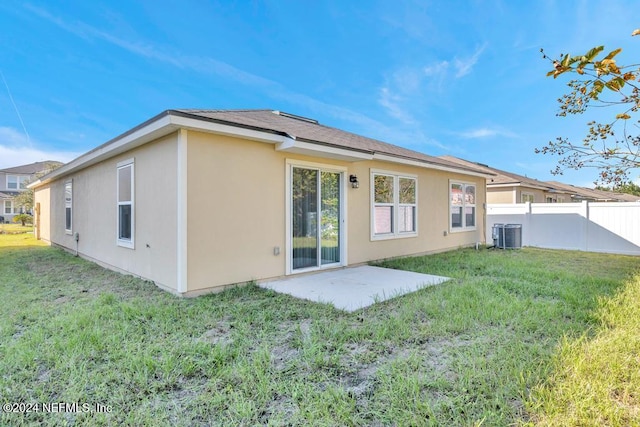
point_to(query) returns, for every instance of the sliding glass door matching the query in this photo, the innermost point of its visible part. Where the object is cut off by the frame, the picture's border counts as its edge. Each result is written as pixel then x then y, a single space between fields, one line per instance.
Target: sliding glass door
pixel 316 210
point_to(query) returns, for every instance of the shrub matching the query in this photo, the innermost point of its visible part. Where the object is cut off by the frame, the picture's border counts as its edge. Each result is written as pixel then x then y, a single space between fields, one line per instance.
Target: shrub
pixel 23 219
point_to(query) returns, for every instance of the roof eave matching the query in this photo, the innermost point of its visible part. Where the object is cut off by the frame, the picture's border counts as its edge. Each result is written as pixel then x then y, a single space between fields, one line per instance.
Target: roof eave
pixel 428 165
pixel 171 121
pixel 156 127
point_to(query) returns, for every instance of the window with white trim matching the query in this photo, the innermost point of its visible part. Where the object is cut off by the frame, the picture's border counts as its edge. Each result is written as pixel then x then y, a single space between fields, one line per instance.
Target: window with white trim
pixel 17 182
pixel 8 207
pixel 394 205
pixel 68 203
pixel 125 199
pixel 526 197
pixel 462 212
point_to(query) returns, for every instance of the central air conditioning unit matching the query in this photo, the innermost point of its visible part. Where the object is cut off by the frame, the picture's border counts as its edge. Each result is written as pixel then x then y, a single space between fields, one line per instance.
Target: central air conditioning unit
pixel 507 236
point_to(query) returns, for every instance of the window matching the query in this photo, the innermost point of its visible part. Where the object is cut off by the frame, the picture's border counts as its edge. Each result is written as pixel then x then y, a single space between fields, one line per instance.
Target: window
pixel 125 204
pixel 15 182
pixel 560 199
pixel 8 207
pixel 526 197
pixel 394 207
pixel 462 206
pixel 68 203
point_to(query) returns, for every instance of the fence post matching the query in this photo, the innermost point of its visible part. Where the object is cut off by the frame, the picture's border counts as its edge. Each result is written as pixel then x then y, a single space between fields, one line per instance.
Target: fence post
pixel 527 232
pixel 585 214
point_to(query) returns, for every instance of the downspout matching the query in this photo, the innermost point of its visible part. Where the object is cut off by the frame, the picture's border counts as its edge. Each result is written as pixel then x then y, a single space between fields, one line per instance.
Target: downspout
pixel 484 215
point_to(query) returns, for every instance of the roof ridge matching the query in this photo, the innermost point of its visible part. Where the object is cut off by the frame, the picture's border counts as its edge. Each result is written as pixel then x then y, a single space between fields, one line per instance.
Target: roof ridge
pixel 218 110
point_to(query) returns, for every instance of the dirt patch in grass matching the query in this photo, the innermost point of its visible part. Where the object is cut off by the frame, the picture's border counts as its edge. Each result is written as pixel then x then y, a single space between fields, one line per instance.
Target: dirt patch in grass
pixel 220 334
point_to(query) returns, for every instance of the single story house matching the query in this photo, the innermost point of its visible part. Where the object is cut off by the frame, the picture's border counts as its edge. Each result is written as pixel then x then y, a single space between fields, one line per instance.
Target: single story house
pixel 508 187
pixel 14 180
pixel 196 200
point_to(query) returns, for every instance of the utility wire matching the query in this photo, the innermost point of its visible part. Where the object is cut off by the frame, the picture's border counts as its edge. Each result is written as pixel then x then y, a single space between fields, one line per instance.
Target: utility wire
pixel 16 108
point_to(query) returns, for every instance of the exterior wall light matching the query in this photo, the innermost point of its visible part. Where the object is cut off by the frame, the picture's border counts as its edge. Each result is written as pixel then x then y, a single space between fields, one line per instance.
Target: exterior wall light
pixel 354 181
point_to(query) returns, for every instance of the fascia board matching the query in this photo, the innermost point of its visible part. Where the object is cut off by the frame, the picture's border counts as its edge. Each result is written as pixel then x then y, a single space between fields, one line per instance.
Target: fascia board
pixel 228 130
pixel 400 160
pixel 291 145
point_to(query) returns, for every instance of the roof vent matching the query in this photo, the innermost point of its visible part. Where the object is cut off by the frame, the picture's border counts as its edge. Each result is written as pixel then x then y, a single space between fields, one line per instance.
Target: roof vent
pixel 293 116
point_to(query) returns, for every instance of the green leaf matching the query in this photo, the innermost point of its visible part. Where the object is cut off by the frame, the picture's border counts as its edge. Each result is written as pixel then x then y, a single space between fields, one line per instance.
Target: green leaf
pixel 613 53
pixel 597 89
pixel 613 85
pixel 593 53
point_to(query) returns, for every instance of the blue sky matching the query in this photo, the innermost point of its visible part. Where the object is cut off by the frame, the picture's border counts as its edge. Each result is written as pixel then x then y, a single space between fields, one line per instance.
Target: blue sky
pixel 463 78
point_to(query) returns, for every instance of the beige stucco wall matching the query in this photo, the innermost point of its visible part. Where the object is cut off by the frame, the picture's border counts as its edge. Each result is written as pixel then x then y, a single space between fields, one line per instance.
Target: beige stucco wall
pixel 539 196
pixel 42 196
pixel 235 205
pixel 559 197
pixel 500 195
pixel 95 210
pixel 433 214
pixel 506 195
pixel 513 194
pixel 236 210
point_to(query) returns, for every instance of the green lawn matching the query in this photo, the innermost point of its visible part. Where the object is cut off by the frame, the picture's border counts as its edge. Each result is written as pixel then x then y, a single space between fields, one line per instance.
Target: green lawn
pixel 15 229
pixel 518 337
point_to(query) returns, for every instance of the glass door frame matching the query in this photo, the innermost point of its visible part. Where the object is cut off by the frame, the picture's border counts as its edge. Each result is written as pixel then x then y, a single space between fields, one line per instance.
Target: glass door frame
pixel 342 240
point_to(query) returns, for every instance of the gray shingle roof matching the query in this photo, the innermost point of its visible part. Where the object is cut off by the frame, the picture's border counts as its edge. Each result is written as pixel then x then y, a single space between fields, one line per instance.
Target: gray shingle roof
pixel 32 168
pixel 301 129
pixel 504 177
pixel 8 194
pixel 595 194
pixel 309 130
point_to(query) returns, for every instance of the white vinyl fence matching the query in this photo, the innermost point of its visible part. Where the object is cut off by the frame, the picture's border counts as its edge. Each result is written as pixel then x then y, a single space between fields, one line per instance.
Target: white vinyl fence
pixel 586 226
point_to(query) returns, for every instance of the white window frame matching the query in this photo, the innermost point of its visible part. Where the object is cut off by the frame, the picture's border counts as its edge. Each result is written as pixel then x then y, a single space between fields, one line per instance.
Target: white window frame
pixel 16 182
pixel 20 181
pixel 4 207
pixel 527 195
pixel 68 204
pixel 126 243
pixel 395 233
pixel 464 206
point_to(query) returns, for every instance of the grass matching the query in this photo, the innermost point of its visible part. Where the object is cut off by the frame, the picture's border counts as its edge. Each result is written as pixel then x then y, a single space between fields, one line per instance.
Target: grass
pixel 518 337
pixel 15 228
pixel 596 379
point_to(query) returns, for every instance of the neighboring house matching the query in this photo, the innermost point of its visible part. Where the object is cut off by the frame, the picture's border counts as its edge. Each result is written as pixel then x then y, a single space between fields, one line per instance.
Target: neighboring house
pixel 13 181
pixel 507 187
pixel 579 194
pixel 196 200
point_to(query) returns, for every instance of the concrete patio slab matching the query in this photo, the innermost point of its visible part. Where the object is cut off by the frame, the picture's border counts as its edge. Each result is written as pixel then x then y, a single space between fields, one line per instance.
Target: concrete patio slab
pixel 353 288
